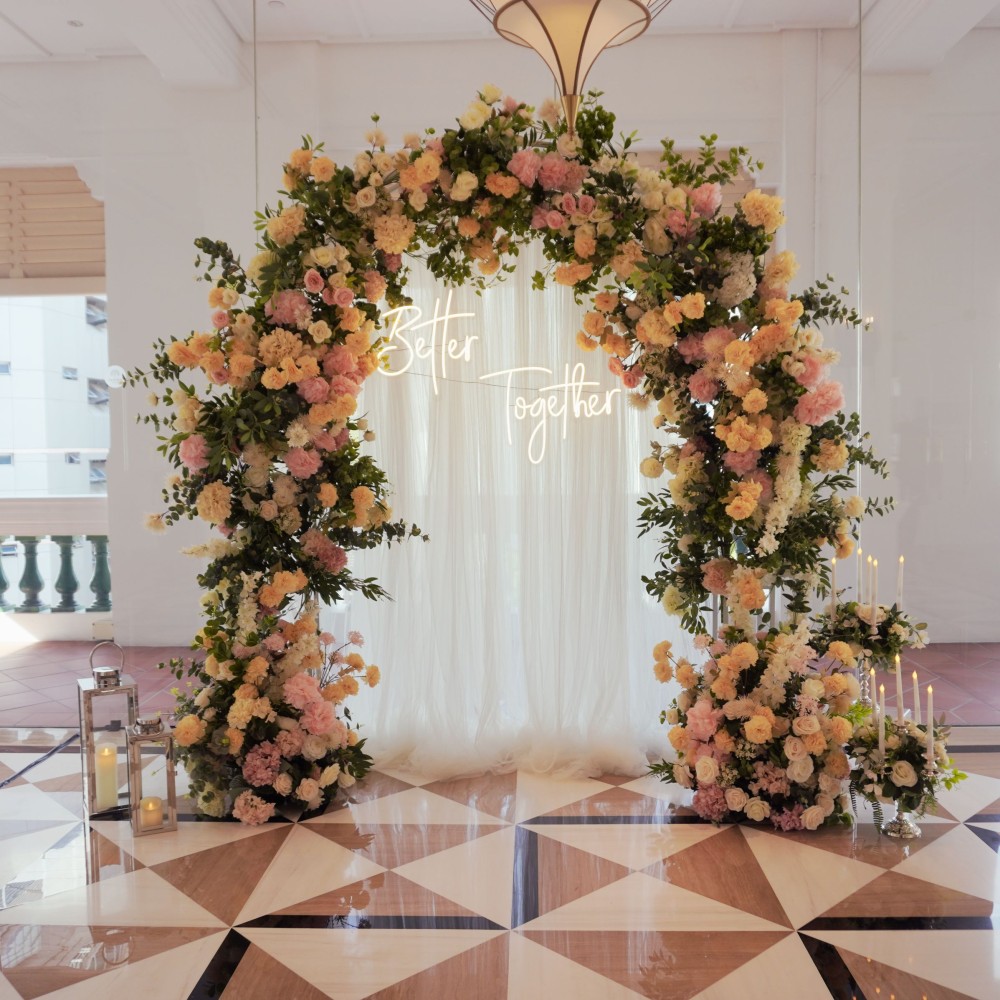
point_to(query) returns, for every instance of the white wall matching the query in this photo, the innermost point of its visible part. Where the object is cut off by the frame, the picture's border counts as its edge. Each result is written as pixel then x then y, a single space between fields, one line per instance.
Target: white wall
pixel 172 165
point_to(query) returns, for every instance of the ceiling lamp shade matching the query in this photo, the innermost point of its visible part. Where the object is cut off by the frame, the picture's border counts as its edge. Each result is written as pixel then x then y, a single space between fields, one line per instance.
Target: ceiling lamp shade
pixel 570 34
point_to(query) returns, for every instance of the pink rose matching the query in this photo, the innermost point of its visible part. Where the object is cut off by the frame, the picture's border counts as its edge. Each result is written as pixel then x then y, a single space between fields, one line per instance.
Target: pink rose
pixel 539 217
pixel 568 204
pixel 343 297
pixel 301 463
pixel 554 219
pixel 327 296
pixel 313 390
pixel 702 387
pixel 510 105
pixel 585 204
pixel 313 281
pixel 193 452
pixel 220 318
pixel 524 166
pixel 616 367
pixel 632 378
pixel 706 199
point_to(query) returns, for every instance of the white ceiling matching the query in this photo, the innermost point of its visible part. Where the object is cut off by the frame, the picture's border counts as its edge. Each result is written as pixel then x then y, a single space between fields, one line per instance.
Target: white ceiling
pixel 43 30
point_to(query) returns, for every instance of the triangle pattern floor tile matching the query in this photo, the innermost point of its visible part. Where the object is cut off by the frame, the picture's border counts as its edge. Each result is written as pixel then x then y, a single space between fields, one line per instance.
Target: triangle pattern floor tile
pixel 27 802
pixel 415 805
pixel 785 962
pixel 260 976
pixel 970 796
pixel 863 842
pixel 677 965
pixel 993 809
pixel 189 838
pixel 304 864
pixel 391 846
pixel 615 779
pixel 222 878
pixel 963 961
pixel 806 880
pixel 350 965
pixel 385 894
pixel 410 778
pixel 21 827
pixel 959 861
pixel 7 991
pixel 633 845
pixel 878 980
pixel 988 833
pixel 493 794
pixel 893 894
pixel 538 973
pixel 614 802
pixel 17 853
pixel 538 794
pixel 476 874
pixel 107 859
pixel 725 869
pixel 48 969
pixel 652 786
pixel 641 902
pixel 65 783
pixel 375 785
pixel 139 898
pixel 482 968
pixel 166 976
pixel 566 873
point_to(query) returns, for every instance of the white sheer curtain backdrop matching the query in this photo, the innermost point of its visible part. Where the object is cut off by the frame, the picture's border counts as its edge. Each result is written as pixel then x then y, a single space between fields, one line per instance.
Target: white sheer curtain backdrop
pixel 521 633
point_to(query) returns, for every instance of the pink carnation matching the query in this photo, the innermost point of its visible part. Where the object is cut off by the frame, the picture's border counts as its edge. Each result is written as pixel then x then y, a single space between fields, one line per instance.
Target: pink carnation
pixel 325 551
pixel 193 452
pixel 319 718
pixel 375 286
pixel 813 371
pixel 338 731
pixel 741 462
pixel 632 378
pixel 313 281
pixel 339 361
pixel 702 387
pixel 524 166
pixel 301 463
pixel 716 574
pixel 324 441
pixel 290 741
pixel 715 342
pixel 710 803
pixel 313 390
pixel 341 439
pixel 703 720
pixel 706 199
pixel 616 367
pixel 680 223
pixel 553 171
pixel 274 643
pixel 289 308
pixel 817 406
pixel 393 262
pixel 341 385
pixel 252 809
pixel 262 764
pixel 692 348
pixel 539 217
pixel 436 146
pixel 766 484
pixel 301 690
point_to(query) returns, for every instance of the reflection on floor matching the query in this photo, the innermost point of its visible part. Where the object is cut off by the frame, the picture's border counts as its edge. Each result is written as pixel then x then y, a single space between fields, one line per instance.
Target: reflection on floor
pixel 514 886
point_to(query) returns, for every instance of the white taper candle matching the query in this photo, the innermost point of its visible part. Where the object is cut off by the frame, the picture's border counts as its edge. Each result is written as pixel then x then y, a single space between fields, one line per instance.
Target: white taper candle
pixel 899 585
pixel 916 699
pixel 930 726
pixel 881 720
pixel 899 690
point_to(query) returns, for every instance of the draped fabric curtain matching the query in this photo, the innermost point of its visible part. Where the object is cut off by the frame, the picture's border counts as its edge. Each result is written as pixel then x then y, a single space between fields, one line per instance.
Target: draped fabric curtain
pixel 520 634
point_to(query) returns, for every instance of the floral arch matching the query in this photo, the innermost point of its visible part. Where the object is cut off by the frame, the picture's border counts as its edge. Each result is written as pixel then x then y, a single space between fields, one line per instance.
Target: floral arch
pixel 693 321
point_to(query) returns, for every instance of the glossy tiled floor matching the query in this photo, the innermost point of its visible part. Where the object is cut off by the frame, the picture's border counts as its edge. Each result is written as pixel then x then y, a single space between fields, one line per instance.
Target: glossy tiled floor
pixel 514 886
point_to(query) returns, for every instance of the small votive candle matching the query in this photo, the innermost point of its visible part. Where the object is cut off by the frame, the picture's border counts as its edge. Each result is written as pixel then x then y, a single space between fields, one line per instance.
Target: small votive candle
pixel 150 813
pixel 105 776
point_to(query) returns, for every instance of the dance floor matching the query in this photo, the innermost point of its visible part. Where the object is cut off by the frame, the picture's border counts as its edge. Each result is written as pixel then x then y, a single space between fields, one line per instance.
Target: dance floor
pixel 514 886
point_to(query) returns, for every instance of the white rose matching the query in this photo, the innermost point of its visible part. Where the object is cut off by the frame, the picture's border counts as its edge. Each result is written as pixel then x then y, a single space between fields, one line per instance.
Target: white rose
pixel 475 115
pixel 671 716
pixel 757 810
pixel 803 725
pixel 800 770
pixel 813 688
pixel 795 749
pixel 707 770
pixel 329 775
pixel 322 256
pixel 568 145
pixel 362 164
pixel 491 93
pixel 829 785
pixel 812 818
pixel 682 775
pixel 463 186
pixel 418 199
pixel 736 799
pixel 825 802
pixel 366 197
pixel 903 774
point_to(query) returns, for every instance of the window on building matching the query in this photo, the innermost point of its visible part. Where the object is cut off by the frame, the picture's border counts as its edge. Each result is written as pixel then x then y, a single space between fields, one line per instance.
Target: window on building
pixel 98 475
pixel 4 367
pixel 6 458
pixel 72 458
pixel 71 373
pixel 97 311
pixel 97 392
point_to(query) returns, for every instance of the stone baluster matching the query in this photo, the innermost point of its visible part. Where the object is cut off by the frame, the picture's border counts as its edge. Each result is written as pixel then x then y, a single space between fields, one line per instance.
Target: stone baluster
pixel 5 605
pixel 67 583
pixel 101 583
pixel 31 584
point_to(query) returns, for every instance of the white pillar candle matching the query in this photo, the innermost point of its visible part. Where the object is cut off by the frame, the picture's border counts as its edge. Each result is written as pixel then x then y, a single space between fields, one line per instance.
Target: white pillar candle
pixel 899 585
pixel 833 586
pixel 150 813
pixel 881 720
pixel 930 726
pixel 916 699
pixel 105 776
pixel 899 691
